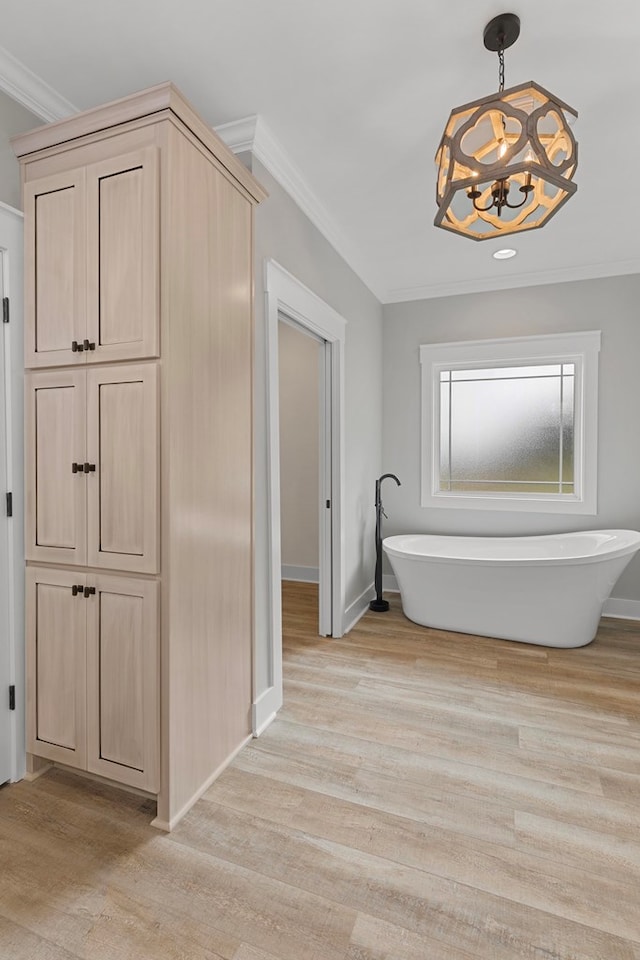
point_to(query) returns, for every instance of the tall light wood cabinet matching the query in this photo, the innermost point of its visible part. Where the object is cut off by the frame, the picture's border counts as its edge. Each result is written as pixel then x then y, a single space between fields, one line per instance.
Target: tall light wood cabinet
pixel 139 488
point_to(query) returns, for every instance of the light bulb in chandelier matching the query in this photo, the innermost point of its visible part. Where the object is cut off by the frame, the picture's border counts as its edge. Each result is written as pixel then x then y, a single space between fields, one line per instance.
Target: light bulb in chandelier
pixel 505 162
pixel 529 159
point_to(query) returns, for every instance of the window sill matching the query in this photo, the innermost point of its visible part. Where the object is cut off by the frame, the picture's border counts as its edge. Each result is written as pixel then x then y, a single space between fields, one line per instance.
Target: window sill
pixel 466 501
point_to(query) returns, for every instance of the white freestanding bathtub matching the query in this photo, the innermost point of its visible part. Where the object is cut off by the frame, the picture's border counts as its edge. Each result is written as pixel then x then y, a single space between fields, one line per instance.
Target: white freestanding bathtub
pixel 547 590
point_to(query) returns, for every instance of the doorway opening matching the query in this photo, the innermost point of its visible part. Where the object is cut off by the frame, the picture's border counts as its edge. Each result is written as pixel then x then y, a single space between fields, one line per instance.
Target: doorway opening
pixel 304 385
pixel 290 301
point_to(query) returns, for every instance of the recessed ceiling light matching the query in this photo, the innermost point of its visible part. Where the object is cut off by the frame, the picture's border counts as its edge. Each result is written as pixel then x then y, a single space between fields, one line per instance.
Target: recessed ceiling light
pixel 505 254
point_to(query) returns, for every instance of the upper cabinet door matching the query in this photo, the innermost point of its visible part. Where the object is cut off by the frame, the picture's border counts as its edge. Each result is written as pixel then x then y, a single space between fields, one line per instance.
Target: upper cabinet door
pixel 123 249
pixel 55 240
pixel 123 492
pixel 56 475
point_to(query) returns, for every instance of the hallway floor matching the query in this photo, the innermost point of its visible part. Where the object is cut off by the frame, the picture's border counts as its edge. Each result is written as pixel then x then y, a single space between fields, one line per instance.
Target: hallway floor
pixel 421 796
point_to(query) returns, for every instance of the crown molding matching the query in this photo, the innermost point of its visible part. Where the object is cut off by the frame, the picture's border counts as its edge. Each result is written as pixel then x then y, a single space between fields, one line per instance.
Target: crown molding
pixel 7 208
pixel 27 88
pixel 251 133
pixel 596 271
pixel 239 135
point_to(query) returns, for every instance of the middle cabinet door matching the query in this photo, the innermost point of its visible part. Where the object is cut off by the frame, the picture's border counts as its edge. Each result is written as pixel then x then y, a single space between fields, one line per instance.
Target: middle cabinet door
pixel 123 444
pixel 56 467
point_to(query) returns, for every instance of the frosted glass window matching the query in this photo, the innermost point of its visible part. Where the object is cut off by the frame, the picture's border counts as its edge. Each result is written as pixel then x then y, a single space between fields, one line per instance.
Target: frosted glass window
pixel 511 424
pixel 508 429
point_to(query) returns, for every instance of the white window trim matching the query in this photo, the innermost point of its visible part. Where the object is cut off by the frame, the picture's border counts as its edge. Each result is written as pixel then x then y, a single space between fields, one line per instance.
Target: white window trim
pixel 581 348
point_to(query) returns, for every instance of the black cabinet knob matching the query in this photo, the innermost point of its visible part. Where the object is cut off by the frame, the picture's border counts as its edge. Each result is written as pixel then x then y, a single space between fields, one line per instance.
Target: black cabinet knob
pixel 77 347
pixel 89 591
pixel 88 467
pixel 88 345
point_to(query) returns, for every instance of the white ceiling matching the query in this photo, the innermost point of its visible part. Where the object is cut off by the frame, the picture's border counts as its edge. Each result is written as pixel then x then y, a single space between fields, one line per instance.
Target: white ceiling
pixel 357 93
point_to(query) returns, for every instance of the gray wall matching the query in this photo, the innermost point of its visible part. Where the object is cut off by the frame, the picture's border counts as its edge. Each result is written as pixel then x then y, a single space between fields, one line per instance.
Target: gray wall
pixel 299 358
pixel 283 233
pixel 610 305
pixel 14 119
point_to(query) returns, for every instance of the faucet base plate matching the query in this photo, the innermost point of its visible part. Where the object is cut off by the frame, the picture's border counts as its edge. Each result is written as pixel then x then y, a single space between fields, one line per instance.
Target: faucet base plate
pixel 380 606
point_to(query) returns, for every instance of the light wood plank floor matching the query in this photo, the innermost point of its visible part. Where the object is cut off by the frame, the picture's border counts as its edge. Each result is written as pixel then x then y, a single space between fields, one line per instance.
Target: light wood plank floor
pixel 422 796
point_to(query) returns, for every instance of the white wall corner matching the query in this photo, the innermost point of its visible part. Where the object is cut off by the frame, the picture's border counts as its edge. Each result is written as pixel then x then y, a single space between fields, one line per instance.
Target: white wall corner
pixel 23 85
pixel 389 583
pixel 252 133
pixel 358 608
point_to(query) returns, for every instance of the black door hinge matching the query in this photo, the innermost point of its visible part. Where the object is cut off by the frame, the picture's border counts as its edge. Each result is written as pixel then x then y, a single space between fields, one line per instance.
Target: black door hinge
pixel 12 697
pixel 5 309
pixel 9 504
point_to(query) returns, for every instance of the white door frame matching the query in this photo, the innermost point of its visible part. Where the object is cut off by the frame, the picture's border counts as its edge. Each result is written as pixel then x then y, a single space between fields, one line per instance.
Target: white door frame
pixel 11 251
pixel 286 295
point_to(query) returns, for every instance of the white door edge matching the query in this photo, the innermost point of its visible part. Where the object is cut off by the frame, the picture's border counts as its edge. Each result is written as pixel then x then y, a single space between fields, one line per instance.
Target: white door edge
pixel 7 731
pixel 325 499
pixel 11 250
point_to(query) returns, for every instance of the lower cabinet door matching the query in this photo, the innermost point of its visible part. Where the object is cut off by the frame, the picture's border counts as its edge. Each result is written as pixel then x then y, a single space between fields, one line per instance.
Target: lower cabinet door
pixel 123 680
pixel 56 665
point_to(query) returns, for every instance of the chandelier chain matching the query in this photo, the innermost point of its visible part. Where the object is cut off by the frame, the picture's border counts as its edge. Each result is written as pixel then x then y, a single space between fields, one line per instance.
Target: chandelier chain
pixel 501 70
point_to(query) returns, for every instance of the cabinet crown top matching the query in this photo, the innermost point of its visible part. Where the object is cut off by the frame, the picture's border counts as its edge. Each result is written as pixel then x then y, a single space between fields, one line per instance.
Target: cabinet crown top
pixel 158 100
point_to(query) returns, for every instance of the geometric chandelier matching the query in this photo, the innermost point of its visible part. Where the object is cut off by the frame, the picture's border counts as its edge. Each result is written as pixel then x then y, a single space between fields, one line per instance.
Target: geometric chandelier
pixel 505 162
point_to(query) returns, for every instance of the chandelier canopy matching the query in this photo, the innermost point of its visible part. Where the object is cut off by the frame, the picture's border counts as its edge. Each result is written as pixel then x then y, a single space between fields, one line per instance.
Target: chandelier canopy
pixel 505 162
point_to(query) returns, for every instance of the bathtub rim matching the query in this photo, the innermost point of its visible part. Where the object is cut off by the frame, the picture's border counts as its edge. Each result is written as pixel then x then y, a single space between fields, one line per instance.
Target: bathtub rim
pixel 630 544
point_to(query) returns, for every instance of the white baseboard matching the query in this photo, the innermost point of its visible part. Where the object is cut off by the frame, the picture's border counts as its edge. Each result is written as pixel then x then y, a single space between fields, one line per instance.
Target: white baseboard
pixel 358 608
pixel 301 574
pixel 622 609
pixel 264 709
pixel 263 726
pixel 389 583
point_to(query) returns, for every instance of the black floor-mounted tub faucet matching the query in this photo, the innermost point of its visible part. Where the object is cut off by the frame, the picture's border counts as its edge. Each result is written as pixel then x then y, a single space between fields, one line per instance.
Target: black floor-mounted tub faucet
pixel 380 605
